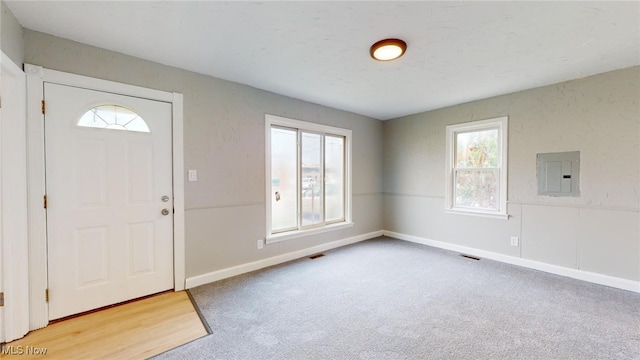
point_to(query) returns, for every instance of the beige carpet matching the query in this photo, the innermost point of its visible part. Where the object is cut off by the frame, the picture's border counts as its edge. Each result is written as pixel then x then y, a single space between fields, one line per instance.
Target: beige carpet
pixel 390 299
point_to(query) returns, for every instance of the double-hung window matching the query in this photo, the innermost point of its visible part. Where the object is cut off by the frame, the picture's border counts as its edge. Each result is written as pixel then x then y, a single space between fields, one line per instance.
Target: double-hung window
pixel 476 168
pixel 308 178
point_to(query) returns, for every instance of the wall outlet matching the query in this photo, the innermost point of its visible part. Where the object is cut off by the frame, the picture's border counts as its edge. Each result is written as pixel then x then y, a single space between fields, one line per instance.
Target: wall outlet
pixel 260 244
pixel 515 241
pixel 193 175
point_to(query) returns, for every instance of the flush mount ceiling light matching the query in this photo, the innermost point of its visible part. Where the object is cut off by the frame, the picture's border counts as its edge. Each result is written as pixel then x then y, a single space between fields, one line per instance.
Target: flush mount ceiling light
pixel 388 49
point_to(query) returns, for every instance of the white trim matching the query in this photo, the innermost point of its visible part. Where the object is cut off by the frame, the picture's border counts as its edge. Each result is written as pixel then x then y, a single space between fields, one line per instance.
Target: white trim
pixel 305 125
pixel 13 203
pixel 260 264
pixel 302 233
pixel 502 124
pixel 472 212
pixel 63 78
pixel 179 253
pixel 591 277
pixel 36 76
pixel 3 259
pixel 267 177
pixel 38 308
pixel 348 197
pixel 596 278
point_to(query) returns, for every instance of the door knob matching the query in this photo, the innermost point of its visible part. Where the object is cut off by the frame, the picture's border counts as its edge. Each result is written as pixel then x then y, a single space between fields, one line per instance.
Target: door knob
pixel 165 212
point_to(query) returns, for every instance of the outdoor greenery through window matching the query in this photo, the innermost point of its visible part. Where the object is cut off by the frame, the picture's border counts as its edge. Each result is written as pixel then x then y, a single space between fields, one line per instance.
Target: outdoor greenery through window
pixel 476 167
pixel 476 171
pixel 307 168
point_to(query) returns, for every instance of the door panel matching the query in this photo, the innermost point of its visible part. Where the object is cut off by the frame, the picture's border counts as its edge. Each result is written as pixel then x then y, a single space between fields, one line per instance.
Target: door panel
pixel 106 175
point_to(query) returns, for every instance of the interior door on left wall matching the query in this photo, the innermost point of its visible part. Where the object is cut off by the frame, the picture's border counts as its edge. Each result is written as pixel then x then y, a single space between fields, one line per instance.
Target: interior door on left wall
pixel 109 198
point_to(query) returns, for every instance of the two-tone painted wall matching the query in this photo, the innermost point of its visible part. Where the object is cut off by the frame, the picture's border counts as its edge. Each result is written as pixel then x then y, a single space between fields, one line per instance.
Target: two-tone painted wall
pixel 597 232
pixel 224 137
pixel 398 165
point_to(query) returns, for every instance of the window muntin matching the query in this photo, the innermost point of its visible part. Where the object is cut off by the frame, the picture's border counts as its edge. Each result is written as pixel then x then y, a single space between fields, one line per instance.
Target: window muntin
pixel 308 179
pixel 312 169
pixel 476 167
pixel 113 117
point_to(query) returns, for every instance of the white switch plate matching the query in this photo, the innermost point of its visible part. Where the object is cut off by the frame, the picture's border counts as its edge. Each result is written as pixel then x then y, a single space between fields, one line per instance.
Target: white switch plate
pixel 193 175
pixel 515 240
pixel 260 244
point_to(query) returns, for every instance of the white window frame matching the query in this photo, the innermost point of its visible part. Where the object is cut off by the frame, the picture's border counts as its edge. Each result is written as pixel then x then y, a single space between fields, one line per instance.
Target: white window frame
pixel 501 124
pixel 278 121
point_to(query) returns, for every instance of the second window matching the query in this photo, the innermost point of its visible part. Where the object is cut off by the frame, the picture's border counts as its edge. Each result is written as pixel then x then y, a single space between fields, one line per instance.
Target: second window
pixel 308 176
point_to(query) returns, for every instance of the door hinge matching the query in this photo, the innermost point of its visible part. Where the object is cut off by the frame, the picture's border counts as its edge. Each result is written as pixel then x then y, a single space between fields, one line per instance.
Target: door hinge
pixel 42 107
pixel 46 295
pixel 1 299
pixel 45 201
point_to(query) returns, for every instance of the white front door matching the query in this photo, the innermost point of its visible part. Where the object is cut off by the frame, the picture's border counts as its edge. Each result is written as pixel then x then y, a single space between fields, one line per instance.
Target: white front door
pixel 109 198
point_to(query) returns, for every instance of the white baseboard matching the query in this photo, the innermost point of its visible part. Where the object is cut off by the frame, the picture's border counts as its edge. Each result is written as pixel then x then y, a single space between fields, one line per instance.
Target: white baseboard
pixel 536 265
pixel 596 278
pixel 203 279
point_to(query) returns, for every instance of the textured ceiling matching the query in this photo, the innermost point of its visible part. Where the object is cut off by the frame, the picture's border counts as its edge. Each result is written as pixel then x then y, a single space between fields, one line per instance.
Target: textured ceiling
pixel 319 51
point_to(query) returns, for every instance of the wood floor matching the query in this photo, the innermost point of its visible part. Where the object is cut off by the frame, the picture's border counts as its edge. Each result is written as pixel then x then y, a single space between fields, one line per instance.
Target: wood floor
pixel 134 330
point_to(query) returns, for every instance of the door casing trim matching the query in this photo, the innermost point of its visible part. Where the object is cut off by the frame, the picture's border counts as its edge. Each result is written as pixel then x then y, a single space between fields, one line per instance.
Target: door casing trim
pixel 36 77
pixel 14 315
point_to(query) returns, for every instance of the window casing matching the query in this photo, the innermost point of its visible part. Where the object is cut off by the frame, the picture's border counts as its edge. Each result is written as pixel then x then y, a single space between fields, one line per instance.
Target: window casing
pixel 308 172
pixel 476 168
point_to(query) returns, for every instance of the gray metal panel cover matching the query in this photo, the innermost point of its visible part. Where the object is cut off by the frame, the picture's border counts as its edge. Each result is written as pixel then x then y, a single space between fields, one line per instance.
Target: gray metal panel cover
pixel 559 174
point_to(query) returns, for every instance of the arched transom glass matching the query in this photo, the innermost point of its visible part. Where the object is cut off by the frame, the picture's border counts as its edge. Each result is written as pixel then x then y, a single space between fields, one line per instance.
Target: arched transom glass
pixel 113 117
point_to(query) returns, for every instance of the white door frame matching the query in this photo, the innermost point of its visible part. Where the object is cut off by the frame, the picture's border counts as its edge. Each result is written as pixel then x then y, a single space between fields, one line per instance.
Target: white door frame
pixel 14 316
pixel 36 77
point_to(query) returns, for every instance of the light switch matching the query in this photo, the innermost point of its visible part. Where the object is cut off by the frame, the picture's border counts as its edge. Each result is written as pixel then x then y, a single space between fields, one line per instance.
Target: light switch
pixel 193 175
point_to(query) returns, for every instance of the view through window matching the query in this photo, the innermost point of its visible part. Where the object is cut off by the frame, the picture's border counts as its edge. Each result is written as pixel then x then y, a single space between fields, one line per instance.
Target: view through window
pixel 308 177
pixel 476 160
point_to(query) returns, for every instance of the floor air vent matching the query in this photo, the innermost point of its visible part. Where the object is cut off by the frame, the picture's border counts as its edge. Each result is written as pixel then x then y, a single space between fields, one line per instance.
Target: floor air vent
pixel 315 256
pixel 469 257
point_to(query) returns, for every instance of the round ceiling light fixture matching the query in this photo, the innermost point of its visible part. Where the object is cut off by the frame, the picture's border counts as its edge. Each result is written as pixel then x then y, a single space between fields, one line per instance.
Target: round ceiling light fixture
pixel 388 49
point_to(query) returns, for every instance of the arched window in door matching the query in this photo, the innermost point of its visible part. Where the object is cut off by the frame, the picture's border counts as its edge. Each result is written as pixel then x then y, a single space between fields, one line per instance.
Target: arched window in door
pixel 113 117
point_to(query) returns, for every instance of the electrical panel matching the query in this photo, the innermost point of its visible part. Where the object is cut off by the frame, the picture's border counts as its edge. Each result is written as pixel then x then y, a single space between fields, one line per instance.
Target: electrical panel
pixel 559 174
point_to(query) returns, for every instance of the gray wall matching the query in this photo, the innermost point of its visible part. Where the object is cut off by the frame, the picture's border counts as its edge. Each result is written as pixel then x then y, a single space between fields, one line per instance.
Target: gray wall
pixel 597 232
pixel 224 140
pixel 11 35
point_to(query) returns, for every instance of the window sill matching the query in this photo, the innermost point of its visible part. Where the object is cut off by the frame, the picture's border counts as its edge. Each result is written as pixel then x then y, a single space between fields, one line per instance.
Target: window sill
pixel 477 213
pixel 301 233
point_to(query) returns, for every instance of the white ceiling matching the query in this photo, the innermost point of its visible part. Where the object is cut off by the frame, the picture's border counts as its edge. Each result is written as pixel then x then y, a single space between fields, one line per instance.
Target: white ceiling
pixel 319 51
